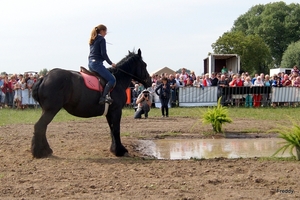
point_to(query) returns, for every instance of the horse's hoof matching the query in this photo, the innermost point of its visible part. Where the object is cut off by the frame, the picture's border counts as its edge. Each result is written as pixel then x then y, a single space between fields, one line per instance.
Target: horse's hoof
pixel 126 154
pixel 43 153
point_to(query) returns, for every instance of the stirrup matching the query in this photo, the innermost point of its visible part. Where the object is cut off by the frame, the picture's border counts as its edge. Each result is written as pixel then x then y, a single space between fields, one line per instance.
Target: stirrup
pixel 105 100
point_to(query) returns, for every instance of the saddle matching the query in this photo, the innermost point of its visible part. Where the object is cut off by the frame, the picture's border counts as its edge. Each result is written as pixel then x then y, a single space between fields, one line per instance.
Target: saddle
pixel 92 80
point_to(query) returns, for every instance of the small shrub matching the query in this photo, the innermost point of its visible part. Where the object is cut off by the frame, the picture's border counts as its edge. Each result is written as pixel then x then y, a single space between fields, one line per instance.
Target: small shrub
pixel 216 116
pixel 291 135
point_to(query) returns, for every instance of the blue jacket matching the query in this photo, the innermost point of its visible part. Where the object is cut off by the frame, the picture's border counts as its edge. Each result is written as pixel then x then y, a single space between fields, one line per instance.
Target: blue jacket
pixel 98 50
pixel 163 93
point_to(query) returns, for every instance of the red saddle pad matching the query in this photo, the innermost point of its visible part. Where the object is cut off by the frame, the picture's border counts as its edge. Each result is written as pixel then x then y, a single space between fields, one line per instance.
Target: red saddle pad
pixel 92 82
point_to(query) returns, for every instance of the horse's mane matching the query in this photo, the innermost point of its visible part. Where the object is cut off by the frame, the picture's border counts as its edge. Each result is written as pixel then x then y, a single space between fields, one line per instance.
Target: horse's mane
pixel 126 61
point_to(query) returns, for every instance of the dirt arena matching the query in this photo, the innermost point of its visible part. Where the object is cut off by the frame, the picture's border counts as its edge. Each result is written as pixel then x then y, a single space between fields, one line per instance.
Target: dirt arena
pixel 83 168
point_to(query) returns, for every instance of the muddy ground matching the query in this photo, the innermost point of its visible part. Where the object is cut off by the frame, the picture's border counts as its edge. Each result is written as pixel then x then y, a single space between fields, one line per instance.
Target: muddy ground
pixel 83 168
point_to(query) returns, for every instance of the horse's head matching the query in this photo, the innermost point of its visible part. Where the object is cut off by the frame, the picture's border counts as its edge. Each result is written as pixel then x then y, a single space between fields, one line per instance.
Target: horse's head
pixel 134 66
pixel 142 72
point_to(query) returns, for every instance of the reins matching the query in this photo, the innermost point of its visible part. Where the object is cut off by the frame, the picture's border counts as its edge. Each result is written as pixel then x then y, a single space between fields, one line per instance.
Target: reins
pixel 133 76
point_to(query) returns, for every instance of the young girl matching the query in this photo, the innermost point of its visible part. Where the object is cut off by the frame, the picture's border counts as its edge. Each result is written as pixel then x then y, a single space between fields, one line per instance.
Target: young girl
pixel 97 56
pixel 164 96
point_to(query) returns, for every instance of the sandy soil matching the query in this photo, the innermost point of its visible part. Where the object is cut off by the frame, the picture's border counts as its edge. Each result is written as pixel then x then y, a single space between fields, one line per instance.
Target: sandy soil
pixel 83 168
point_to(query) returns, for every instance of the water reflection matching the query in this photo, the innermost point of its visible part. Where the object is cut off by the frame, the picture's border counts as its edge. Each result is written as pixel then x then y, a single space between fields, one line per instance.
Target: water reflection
pixel 210 148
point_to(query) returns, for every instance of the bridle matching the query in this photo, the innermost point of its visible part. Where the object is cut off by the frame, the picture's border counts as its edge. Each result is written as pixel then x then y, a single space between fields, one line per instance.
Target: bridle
pixel 133 76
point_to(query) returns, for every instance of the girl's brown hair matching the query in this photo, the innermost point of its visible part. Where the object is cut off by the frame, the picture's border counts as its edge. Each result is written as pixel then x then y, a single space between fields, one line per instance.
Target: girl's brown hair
pixel 96 31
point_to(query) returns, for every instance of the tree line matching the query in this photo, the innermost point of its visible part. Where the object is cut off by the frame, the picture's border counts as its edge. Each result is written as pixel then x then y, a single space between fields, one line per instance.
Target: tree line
pixel 265 37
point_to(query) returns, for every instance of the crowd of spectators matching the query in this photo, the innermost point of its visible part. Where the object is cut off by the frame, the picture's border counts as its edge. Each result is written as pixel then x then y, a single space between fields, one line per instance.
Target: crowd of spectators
pixel 225 78
pixel 15 90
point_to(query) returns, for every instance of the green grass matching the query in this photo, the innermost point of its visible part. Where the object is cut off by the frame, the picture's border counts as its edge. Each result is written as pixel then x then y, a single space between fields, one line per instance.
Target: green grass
pixel 291 158
pixel 30 116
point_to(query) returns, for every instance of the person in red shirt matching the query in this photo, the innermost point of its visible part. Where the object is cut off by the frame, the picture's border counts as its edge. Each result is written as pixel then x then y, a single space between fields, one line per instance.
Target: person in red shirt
pixel 236 82
pixel 286 82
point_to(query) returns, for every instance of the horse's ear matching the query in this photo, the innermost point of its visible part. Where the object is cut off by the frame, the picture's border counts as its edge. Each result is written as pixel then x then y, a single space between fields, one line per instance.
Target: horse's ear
pixel 129 52
pixel 140 52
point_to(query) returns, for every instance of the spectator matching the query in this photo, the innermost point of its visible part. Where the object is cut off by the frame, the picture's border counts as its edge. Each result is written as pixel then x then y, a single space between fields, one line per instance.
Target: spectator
pixel 183 75
pixel 295 70
pixel 257 97
pixel 276 83
pixel 172 83
pixel 153 78
pixel 179 84
pixel 164 96
pixel 144 102
pixel 207 81
pixel 262 76
pixel 230 72
pixel 189 81
pixel 254 78
pixel 197 82
pixel 214 79
pixel 286 82
pixel 296 83
pixel 18 92
pixel 236 82
pixel 29 84
pixel 193 75
pixel 25 94
pixel 222 83
pixel 2 94
pixel 224 70
pixel 266 96
pixel 8 84
pixel 152 93
pixel 248 97
pixel 134 95
pixel 141 87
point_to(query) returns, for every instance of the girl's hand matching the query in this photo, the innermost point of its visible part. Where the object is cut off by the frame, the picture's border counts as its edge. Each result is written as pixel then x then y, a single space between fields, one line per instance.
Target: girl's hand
pixel 113 65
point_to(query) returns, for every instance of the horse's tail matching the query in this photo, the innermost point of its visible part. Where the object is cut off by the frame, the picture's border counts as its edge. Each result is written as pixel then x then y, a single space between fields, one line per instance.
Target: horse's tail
pixel 35 89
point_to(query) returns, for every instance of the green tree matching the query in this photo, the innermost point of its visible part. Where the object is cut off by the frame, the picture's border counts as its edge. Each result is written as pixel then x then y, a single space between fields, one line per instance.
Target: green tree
pixel 43 72
pixel 255 54
pixel 291 56
pixel 276 23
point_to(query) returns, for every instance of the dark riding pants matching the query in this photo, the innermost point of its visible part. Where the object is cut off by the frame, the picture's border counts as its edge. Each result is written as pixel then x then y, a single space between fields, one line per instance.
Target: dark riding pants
pixel 97 66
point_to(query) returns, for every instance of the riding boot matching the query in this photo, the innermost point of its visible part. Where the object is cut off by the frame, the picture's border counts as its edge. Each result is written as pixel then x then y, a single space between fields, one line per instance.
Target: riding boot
pixel 105 98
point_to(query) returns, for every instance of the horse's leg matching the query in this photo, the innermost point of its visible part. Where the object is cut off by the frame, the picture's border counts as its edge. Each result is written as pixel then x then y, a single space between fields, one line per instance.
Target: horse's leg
pixel 114 120
pixel 39 145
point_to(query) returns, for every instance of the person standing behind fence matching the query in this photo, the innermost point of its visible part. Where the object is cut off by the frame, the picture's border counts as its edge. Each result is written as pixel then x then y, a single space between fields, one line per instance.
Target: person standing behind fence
pixel 248 97
pixel 134 94
pixel 266 96
pixel 18 92
pixel 164 96
pixel 214 79
pixel 207 81
pixel 2 94
pixel 173 86
pixel 257 97
pixel 236 82
pixel 222 83
pixel 9 95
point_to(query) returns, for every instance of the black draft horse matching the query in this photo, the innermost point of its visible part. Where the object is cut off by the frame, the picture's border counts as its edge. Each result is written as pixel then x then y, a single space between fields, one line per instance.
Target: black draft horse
pixel 66 89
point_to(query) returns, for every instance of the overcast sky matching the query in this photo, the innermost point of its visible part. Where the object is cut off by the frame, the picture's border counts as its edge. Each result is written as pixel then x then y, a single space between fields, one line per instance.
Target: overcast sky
pixel 38 34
